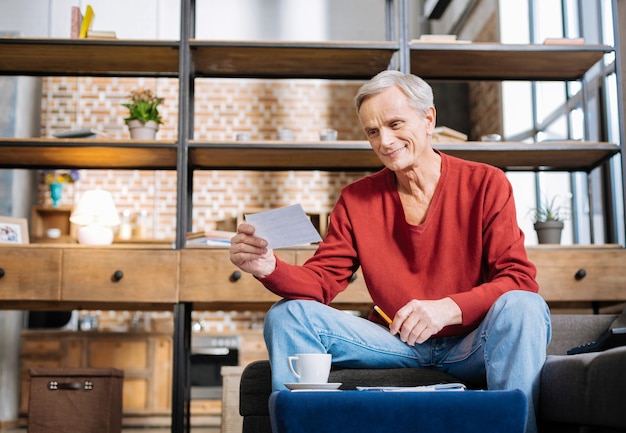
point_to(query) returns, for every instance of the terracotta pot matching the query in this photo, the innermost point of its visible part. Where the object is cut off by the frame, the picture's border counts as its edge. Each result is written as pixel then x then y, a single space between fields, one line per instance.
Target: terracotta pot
pixel 549 232
pixel 143 131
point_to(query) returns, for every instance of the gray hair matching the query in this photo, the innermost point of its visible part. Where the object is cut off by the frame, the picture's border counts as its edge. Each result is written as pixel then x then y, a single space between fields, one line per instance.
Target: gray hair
pixel 418 92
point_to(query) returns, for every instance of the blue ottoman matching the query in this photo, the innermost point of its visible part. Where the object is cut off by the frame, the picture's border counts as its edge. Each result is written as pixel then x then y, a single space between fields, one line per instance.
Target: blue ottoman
pixel 384 412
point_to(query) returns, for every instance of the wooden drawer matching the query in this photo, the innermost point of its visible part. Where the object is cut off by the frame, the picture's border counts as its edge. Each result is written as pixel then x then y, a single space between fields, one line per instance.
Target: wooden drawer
pixel 119 275
pixel 125 353
pixel 40 346
pixel 355 293
pixel 30 274
pixel 580 274
pixel 209 276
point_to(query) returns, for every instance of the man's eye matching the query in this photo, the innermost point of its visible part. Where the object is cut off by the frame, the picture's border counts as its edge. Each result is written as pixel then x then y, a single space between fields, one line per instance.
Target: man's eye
pixel 372 132
pixel 396 125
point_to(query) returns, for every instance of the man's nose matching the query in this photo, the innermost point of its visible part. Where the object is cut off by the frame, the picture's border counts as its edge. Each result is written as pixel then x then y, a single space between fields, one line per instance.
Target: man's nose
pixel 386 136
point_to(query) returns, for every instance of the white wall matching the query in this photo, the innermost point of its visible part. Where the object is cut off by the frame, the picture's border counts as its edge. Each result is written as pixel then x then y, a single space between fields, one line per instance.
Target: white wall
pixel 299 20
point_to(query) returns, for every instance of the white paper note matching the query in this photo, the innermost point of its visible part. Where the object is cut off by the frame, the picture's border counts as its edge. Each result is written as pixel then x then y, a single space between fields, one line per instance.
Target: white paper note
pixel 284 227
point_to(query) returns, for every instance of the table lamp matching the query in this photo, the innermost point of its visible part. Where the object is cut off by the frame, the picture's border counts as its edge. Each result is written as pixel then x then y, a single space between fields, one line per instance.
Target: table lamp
pixel 95 213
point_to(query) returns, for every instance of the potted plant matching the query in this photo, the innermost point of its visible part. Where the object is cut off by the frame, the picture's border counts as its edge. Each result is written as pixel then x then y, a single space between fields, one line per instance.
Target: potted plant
pixel 144 119
pixel 548 224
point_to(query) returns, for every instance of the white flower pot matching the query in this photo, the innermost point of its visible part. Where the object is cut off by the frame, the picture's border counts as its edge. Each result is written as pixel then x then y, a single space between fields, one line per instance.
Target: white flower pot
pixel 143 131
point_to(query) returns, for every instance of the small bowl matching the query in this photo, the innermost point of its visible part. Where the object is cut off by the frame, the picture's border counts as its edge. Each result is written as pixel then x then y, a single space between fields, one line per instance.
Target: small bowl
pixel 328 134
pixel 53 233
pixel 491 137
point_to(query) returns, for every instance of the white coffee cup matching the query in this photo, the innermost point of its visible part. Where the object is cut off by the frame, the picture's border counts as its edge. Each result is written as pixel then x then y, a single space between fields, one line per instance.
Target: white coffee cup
pixel 310 367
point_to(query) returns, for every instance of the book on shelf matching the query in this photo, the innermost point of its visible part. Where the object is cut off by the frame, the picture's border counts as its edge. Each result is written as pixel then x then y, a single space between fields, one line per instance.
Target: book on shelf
pixel 210 237
pixel 443 134
pixel 79 133
pixel 87 22
pixel 438 39
pixel 77 20
pixel 101 34
pixel 564 41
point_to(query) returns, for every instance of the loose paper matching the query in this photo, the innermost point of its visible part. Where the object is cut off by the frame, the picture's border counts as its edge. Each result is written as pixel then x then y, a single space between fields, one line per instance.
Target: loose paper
pixel 422 388
pixel 284 227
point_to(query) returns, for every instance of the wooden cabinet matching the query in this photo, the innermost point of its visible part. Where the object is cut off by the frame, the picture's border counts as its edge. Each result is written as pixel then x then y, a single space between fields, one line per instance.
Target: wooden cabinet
pixel 35 275
pixel 43 350
pixel 145 358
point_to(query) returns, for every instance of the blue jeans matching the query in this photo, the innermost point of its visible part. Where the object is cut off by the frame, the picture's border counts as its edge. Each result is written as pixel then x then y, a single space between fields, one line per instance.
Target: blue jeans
pixel 506 351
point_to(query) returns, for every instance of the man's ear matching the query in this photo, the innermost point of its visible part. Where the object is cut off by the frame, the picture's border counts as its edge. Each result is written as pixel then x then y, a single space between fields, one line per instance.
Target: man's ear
pixel 431 120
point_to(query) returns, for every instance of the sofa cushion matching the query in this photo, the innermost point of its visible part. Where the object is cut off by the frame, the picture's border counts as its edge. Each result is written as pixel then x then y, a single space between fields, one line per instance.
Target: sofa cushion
pixel 571 330
pixel 256 386
pixel 585 389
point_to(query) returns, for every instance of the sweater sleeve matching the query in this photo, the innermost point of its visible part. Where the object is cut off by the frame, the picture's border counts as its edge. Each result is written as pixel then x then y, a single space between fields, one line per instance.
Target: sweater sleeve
pixel 324 275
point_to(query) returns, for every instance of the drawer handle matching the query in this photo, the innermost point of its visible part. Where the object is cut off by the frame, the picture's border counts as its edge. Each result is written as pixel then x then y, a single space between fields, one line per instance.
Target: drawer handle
pixel 117 276
pixel 235 276
pixel 1 272
pixel 353 277
pixel 580 274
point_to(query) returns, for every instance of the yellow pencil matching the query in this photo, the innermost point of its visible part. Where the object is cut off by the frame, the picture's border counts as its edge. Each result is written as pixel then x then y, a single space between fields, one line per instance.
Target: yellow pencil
pixel 382 314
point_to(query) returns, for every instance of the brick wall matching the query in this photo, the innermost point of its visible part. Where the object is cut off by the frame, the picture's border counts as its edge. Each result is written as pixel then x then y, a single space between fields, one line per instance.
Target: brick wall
pixel 223 107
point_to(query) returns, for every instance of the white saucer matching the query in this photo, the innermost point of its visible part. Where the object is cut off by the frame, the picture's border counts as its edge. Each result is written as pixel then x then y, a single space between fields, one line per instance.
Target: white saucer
pixel 313 386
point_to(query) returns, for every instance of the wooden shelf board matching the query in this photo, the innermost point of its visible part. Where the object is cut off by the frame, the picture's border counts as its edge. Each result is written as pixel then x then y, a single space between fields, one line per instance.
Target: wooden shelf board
pixel 546 156
pixel 84 153
pixel 330 60
pixel 504 61
pixel 280 155
pixel 94 57
pixel 277 59
pixel 358 156
pixel 277 155
pixel 60 304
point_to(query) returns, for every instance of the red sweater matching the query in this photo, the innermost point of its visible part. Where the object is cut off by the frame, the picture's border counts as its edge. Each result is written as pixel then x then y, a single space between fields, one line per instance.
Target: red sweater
pixel 469 247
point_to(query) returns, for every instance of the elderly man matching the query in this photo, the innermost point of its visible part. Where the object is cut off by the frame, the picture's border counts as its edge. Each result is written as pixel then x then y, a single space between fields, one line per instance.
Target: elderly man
pixel 441 252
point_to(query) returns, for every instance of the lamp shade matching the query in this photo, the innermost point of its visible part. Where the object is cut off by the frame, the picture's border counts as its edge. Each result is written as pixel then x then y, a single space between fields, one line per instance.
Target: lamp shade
pixel 96 214
pixel 95 207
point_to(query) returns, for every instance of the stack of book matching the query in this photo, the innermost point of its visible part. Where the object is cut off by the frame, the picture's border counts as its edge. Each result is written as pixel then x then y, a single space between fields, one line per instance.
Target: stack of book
pixel 210 237
pixel 81 26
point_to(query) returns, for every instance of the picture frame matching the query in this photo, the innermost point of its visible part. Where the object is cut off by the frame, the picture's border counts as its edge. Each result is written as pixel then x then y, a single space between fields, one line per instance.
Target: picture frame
pixel 13 230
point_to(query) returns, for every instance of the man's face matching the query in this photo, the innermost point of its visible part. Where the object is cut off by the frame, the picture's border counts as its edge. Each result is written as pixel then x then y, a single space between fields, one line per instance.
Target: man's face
pixel 398 134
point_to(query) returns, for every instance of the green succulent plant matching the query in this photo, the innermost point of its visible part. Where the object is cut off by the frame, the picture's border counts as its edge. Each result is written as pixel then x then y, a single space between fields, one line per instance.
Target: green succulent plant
pixel 550 211
pixel 143 106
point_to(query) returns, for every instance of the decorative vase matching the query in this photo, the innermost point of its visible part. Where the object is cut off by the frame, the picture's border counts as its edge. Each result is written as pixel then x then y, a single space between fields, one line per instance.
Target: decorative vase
pixel 549 232
pixel 56 191
pixel 143 130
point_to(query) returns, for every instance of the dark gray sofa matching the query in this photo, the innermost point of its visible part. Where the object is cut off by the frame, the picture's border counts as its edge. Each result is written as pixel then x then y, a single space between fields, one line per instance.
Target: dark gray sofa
pixel 579 393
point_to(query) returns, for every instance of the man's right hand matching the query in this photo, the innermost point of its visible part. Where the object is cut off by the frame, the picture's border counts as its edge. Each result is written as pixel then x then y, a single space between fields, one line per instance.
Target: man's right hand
pixel 250 253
